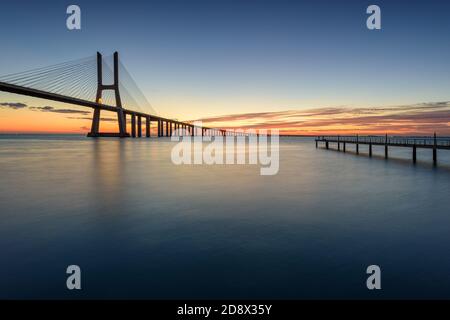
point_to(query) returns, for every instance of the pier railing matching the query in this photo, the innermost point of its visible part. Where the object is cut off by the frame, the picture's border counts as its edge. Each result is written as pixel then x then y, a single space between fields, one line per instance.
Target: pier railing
pixel 390 140
pixel 414 142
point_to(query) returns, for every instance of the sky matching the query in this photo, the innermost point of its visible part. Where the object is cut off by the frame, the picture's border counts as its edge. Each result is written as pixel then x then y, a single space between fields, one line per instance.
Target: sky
pixel 305 67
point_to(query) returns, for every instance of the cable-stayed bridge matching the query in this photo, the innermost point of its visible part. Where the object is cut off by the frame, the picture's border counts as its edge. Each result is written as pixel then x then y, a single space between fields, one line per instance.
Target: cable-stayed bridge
pixel 94 83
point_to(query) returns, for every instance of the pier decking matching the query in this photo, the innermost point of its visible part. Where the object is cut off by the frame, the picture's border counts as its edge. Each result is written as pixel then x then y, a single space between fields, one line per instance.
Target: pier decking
pixel 434 143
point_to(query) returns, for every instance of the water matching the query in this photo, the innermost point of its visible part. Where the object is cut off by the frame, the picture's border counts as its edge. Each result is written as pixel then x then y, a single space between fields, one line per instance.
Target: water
pixel 141 227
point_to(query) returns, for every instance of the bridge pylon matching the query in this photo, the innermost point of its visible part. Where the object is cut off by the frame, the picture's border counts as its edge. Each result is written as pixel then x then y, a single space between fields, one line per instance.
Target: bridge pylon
pixel 95 128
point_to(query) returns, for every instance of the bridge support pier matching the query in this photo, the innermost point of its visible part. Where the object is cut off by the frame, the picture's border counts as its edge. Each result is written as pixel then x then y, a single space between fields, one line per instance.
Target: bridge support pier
pixel 122 124
pixel 139 126
pixel 147 127
pixel 133 125
pixel 95 122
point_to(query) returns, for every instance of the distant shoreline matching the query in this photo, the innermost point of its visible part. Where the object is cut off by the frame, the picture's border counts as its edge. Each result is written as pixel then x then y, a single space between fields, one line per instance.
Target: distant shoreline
pixel 281 135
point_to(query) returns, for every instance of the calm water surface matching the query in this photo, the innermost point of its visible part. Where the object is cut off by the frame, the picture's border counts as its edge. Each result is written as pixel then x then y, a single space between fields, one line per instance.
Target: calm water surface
pixel 141 227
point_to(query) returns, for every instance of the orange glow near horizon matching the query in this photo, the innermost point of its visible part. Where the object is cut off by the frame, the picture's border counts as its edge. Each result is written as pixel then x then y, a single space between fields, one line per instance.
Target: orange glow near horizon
pixel 416 119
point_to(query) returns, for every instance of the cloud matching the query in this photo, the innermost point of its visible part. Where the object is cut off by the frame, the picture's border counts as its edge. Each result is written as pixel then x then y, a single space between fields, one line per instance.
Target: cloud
pixel 415 118
pixel 20 105
pixel 13 105
pixel 65 111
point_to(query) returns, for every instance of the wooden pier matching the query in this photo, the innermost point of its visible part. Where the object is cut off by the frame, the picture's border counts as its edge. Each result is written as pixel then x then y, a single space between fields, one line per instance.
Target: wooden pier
pixel 434 143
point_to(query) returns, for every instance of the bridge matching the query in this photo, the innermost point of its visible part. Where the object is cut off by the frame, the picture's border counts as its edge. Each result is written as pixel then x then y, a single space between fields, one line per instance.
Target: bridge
pixel 434 143
pixel 81 83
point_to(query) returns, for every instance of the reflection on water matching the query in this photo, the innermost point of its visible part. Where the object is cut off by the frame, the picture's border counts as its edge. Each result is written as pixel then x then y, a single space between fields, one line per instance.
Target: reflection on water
pixel 141 227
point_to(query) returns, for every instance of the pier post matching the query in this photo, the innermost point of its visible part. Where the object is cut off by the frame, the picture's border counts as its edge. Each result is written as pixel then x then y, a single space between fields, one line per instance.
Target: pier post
pixel 414 153
pixel 344 146
pixel 139 124
pixel 167 128
pixel 159 128
pixel 339 144
pixel 147 127
pixel 435 150
pixel 326 145
pixel 133 125
pixel 316 143
pixel 125 121
pixel 357 144
pixel 386 147
pixel 370 147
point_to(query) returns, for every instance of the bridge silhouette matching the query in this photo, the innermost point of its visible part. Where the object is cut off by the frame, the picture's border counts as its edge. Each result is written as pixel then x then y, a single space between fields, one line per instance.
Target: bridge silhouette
pixel 81 83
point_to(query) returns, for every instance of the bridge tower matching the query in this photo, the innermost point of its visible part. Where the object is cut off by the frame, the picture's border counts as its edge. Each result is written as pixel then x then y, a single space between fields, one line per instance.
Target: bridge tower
pixel 100 87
